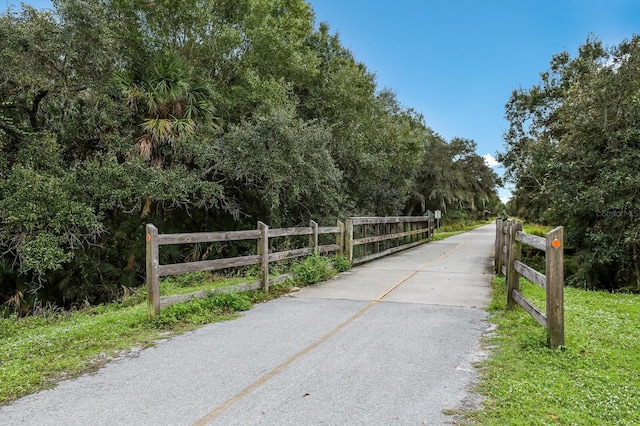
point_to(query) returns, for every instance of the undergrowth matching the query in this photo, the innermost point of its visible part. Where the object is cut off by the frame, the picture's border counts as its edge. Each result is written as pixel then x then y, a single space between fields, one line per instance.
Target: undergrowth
pixel 313 269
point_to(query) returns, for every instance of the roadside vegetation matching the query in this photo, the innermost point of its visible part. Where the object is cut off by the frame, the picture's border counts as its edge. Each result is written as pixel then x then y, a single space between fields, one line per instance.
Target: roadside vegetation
pixel 113 116
pixel 593 380
pixel 446 231
pixel 572 152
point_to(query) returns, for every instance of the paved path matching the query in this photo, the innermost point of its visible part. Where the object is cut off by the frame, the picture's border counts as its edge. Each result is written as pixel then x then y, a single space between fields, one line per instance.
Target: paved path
pixel 388 343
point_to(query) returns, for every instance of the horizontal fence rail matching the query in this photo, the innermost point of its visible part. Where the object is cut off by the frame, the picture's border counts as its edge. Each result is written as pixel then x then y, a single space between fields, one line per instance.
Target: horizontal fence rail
pixel 361 239
pixel 368 238
pixel 508 251
pixel 263 256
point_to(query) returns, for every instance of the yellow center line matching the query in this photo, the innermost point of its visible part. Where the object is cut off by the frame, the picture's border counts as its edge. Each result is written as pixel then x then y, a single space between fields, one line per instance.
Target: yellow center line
pixel 280 368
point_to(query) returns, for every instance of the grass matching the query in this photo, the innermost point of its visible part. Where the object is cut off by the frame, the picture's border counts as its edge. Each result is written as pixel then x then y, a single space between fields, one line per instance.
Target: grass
pixel 196 281
pixel 594 380
pixel 446 231
pixel 535 229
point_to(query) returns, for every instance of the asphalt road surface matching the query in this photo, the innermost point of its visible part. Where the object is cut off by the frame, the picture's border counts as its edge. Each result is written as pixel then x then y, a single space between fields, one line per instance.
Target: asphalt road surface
pixel 391 342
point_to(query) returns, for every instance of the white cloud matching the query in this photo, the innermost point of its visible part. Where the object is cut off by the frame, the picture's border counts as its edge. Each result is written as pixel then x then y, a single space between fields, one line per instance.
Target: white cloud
pixel 490 160
pixel 505 194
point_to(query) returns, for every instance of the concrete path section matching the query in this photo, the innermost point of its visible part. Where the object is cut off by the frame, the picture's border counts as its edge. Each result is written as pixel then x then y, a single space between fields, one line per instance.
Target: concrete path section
pixel 456 271
pixel 388 343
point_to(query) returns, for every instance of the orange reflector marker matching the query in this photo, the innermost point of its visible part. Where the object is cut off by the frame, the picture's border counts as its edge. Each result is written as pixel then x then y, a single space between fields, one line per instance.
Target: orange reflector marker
pixel 149 237
pixel 556 243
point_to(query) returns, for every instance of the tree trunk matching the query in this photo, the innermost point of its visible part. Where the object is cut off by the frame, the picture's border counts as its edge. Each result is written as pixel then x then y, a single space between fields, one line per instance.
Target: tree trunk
pixel 410 207
pixel 147 206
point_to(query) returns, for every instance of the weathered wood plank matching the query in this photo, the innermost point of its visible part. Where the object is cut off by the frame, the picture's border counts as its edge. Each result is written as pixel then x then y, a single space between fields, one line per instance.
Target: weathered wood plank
pixel 348 239
pixel 328 230
pixel 371 257
pixel 503 269
pixel 532 240
pixel 153 273
pixel 208 265
pixel 313 238
pixel 181 298
pixel 387 252
pixel 263 252
pixel 236 288
pixel 531 274
pixel 376 238
pixel 210 237
pixel 289 254
pixel 555 286
pixel 285 232
pixel 328 248
pixel 513 280
pixel 497 245
pixel 533 310
pixel 390 219
pixel 207 237
pixel 340 238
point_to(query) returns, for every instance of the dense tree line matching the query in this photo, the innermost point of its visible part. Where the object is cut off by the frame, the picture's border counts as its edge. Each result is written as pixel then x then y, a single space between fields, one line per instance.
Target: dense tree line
pixel 573 150
pixel 194 115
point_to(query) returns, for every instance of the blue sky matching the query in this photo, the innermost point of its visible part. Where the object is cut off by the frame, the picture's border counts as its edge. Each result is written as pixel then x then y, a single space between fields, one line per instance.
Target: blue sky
pixel 457 62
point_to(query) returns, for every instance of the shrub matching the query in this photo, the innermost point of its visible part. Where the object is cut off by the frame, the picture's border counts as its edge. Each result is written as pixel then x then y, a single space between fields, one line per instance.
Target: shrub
pixel 313 269
pixel 341 263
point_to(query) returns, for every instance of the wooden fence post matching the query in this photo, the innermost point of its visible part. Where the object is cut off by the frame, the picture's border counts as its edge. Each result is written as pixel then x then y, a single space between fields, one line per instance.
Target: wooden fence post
pixel 555 287
pixel 153 263
pixel 500 255
pixel 514 253
pixel 340 238
pixel 313 238
pixel 348 243
pixel 497 247
pixel 263 250
pixel 503 243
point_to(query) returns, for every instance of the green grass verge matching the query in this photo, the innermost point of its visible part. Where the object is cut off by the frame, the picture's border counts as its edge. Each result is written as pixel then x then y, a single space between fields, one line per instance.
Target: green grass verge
pixel 594 380
pixel 455 229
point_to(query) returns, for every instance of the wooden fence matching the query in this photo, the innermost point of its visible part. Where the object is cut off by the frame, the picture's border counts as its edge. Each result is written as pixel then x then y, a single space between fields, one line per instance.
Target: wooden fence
pixel 369 238
pixel 508 250
pixel 263 257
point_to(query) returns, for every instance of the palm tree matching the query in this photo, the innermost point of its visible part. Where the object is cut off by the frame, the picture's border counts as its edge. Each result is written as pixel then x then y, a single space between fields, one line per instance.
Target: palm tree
pixel 173 102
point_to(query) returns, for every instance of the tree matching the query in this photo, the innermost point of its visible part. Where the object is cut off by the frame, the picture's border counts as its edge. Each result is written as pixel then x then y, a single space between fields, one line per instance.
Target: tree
pixel 453 177
pixel 50 107
pixel 195 115
pixel 572 151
